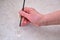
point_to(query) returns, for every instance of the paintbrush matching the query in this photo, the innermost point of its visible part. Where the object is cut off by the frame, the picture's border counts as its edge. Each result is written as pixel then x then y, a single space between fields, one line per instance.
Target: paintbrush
pixel 22 10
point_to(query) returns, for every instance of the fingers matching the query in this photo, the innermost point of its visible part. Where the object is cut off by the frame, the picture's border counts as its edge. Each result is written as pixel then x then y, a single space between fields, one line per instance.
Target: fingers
pixel 26 15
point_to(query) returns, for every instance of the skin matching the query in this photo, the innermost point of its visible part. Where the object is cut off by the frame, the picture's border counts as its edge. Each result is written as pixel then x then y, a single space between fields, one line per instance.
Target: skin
pixel 30 15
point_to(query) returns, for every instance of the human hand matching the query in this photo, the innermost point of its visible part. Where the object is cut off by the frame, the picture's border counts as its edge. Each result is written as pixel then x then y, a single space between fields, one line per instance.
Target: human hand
pixel 31 15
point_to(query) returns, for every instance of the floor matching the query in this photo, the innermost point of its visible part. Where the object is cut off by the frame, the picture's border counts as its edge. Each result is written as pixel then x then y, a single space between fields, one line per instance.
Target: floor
pixel 9 21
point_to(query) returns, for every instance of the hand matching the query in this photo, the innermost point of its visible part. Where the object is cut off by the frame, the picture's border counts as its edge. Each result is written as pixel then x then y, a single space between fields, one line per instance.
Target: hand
pixel 31 15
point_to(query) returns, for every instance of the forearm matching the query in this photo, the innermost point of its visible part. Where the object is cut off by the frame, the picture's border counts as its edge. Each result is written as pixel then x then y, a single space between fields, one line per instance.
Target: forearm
pixel 51 18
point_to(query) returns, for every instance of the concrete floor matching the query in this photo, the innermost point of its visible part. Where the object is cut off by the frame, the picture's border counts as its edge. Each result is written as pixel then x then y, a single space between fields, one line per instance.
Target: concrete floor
pixel 9 21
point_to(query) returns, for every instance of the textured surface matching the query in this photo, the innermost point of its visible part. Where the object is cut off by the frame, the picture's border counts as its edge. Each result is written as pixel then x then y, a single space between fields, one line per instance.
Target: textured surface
pixel 9 21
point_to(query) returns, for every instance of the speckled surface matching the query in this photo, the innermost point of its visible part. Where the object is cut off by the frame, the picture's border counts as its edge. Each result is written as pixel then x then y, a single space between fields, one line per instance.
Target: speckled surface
pixel 9 21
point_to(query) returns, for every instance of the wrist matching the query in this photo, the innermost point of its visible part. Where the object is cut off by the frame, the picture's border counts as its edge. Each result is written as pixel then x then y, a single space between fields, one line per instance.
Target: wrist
pixel 43 21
